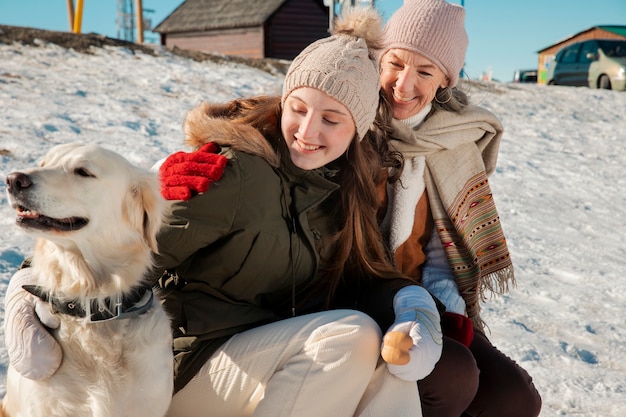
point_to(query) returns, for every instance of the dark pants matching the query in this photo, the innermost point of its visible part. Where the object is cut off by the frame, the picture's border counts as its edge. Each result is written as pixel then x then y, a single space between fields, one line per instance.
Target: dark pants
pixel 477 382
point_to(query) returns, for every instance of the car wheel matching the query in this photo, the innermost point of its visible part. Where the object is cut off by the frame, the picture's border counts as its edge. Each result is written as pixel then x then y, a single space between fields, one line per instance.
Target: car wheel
pixel 604 83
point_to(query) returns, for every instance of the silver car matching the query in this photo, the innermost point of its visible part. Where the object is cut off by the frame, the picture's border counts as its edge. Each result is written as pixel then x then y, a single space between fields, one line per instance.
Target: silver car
pixel 596 63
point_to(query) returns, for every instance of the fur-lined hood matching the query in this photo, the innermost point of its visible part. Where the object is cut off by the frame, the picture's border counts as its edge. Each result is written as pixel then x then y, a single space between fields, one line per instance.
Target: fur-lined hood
pixel 246 125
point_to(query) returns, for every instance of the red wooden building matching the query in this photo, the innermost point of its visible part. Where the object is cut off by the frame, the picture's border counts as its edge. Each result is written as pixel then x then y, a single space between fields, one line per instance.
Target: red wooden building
pixel 256 29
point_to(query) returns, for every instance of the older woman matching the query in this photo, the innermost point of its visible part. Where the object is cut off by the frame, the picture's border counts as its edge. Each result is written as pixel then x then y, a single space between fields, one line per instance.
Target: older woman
pixel 441 220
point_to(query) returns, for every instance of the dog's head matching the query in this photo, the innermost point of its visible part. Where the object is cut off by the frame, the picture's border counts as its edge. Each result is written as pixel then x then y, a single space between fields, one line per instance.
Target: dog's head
pixel 89 199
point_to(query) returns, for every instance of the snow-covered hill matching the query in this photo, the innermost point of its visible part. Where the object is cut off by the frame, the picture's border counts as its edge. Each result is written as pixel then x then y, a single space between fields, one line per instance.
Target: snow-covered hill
pixel 560 188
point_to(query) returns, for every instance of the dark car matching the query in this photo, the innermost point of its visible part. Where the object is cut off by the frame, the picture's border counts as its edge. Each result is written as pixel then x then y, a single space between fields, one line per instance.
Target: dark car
pixel 596 63
pixel 525 76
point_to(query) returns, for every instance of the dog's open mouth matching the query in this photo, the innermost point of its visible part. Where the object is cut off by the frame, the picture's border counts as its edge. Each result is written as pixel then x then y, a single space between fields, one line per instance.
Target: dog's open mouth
pixel 35 220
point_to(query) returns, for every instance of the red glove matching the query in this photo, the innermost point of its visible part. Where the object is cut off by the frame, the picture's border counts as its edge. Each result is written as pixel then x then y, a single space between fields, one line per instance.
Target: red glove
pixel 458 327
pixel 184 175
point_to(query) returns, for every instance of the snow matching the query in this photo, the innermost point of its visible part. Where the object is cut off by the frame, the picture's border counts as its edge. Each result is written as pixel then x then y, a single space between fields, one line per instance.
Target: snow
pixel 560 189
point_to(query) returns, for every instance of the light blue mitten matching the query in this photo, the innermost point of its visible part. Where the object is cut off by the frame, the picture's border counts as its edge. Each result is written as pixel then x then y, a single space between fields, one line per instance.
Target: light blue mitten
pixel 417 317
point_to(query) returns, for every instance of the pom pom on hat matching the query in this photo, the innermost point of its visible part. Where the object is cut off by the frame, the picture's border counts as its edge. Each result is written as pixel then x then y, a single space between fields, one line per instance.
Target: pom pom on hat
pixel 432 28
pixel 343 66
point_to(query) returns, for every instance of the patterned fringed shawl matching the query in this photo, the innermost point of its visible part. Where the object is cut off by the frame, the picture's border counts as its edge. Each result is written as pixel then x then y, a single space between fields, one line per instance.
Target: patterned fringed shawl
pixel 460 151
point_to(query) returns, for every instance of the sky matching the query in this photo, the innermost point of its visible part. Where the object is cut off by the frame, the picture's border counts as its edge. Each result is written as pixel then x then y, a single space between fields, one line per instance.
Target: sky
pixel 559 188
pixel 505 35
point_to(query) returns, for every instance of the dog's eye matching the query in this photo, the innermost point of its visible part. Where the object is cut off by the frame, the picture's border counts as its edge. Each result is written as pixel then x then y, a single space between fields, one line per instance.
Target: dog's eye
pixel 83 172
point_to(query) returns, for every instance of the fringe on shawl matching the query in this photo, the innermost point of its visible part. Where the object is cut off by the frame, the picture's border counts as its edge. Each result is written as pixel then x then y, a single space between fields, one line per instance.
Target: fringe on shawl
pixel 475 245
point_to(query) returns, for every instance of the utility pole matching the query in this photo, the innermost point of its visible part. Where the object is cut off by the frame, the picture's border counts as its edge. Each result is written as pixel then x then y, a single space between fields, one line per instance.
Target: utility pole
pixel 70 13
pixel 139 8
pixel 78 16
pixel 463 69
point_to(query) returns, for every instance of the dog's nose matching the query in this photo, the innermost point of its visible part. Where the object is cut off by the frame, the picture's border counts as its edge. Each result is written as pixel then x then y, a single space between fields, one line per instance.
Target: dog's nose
pixel 17 181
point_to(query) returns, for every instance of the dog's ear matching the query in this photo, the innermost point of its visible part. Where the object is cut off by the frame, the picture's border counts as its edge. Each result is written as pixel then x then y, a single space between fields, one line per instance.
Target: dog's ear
pixel 145 207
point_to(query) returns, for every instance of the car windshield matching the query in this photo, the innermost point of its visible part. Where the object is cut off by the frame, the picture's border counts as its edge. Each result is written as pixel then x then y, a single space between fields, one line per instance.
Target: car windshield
pixel 616 49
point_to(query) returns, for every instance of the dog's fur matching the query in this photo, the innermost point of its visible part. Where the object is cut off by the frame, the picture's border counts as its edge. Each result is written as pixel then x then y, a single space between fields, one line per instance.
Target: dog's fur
pixel 96 217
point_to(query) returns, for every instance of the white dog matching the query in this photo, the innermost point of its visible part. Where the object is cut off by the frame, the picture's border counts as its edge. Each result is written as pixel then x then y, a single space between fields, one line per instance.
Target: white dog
pixel 96 217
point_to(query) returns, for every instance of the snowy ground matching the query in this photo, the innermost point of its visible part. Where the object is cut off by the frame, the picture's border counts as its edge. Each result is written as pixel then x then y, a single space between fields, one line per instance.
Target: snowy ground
pixel 560 189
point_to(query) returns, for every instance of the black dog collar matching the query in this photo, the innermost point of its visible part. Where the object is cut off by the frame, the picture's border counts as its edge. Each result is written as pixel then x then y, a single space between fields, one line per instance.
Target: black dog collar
pixel 128 306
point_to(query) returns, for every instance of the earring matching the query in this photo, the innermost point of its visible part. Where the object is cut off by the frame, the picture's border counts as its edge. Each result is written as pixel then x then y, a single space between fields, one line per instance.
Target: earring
pixel 448 90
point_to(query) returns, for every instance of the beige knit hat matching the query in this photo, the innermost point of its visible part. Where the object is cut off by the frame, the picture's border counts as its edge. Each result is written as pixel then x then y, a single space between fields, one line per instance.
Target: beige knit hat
pixel 343 66
pixel 432 28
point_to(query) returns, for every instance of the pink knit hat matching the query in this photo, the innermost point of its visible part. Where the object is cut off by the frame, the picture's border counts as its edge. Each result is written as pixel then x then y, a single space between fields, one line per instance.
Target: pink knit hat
pixel 343 66
pixel 432 28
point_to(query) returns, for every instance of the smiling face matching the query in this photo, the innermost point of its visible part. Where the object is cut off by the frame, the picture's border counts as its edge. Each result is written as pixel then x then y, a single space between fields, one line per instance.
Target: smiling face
pixel 409 81
pixel 317 128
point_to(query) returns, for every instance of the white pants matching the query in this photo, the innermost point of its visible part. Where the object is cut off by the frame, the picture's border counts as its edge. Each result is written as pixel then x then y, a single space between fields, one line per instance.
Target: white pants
pixel 315 365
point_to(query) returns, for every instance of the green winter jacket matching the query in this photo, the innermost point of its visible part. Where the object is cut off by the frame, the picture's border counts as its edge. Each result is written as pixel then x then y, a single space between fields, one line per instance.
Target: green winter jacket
pixel 237 252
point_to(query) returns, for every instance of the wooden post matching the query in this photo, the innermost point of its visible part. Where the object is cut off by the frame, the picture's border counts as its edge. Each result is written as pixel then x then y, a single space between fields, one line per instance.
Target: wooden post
pixel 139 14
pixel 70 13
pixel 78 18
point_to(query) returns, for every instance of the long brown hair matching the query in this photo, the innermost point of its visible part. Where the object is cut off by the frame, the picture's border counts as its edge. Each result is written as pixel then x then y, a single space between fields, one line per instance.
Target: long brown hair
pixel 358 250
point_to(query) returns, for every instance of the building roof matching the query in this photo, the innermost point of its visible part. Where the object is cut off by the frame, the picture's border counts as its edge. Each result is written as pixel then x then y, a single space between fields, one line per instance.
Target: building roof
pixel 616 29
pixel 201 15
